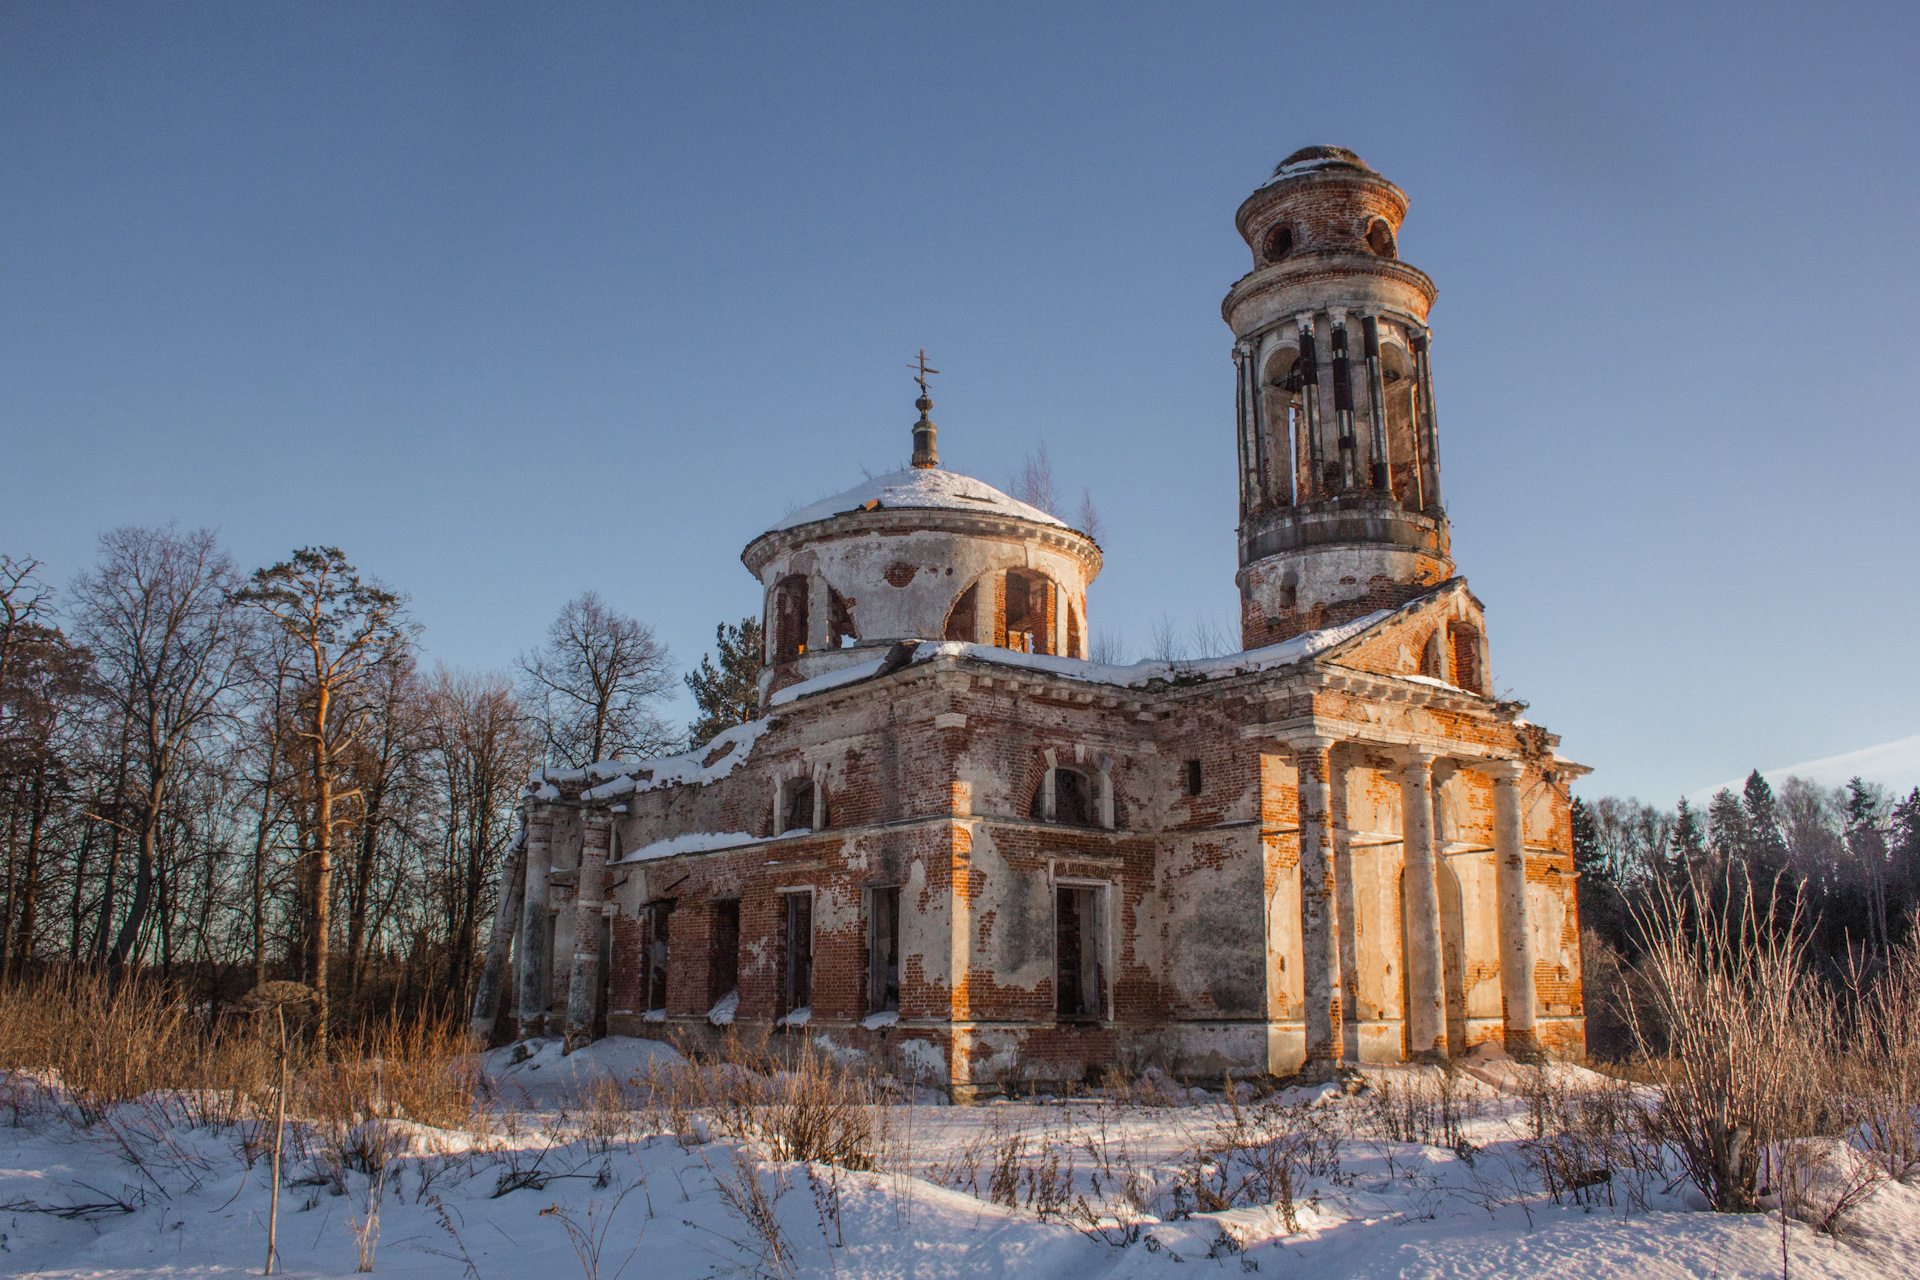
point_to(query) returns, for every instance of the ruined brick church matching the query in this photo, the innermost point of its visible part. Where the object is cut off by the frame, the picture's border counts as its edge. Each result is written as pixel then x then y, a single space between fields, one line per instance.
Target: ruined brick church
pixel 952 841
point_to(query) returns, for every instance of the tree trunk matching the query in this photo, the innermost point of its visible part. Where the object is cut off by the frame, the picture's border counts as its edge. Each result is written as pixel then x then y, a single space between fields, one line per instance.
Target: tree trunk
pixel 260 859
pixel 322 863
pixel 23 938
pixel 142 880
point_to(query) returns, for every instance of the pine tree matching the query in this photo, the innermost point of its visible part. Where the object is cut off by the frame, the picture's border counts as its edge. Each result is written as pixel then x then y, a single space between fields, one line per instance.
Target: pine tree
pixel 1588 858
pixel 1866 842
pixel 1766 845
pixel 1688 847
pixel 728 693
pixel 1727 827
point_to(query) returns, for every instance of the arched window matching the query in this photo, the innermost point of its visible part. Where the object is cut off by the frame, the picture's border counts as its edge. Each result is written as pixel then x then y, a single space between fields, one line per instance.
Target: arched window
pixel 1283 419
pixel 1396 373
pixel 1074 800
pixel 1465 641
pixel 1278 244
pixel 797 811
pixel 790 618
pixel 840 629
pixel 1380 238
pixel 961 621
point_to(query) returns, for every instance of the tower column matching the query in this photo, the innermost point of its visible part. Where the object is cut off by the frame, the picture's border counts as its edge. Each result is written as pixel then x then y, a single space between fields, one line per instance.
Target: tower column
pixel 1510 889
pixel 1243 436
pixel 1310 405
pixel 1382 473
pixel 1343 402
pixel 534 921
pixel 818 612
pixel 1428 432
pixel 1426 996
pixel 1319 947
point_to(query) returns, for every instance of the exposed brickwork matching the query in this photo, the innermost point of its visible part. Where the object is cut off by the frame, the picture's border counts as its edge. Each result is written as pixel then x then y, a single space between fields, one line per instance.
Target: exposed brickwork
pixel 1175 912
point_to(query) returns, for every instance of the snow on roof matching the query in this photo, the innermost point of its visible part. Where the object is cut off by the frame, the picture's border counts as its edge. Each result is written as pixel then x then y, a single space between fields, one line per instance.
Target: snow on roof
pixel 688 842
pixel 919 488
pixel 1140 674
pixel 1136 675
pixel 1308 159
pixel 718 758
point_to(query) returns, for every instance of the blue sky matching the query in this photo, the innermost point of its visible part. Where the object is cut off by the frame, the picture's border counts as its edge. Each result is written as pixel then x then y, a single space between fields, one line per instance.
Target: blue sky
pixel 513 301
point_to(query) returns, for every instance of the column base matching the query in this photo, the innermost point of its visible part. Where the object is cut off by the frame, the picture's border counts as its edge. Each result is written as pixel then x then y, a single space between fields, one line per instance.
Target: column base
pixel 1523 1046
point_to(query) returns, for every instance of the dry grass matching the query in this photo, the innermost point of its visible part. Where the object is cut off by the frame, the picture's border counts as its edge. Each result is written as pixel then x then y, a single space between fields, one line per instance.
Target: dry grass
pixel 93 1045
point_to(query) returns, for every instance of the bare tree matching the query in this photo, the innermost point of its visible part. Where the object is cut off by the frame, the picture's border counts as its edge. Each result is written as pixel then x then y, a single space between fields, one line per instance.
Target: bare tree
pixel 348 628
pixel 1089 518
pixel 594 683
pixel 158 616
pixel 482 746
pixel 1034 484
pixel 1164 641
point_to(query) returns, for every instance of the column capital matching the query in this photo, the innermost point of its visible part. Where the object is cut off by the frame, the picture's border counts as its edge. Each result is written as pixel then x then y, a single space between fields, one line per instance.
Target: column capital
pixel 1507 771
pixel 1421 758
pixel 1315 742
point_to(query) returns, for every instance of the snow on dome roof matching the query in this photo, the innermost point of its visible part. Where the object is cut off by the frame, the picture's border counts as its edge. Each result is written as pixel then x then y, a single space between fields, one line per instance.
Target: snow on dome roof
pixel 922 488
pixel 1308 159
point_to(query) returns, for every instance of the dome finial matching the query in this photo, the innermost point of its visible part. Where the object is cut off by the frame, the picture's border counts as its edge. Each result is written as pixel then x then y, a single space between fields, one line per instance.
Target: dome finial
pixel 925 453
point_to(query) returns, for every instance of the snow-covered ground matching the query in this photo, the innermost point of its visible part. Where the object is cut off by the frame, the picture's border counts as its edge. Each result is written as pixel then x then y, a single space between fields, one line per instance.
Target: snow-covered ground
pixel 564 1166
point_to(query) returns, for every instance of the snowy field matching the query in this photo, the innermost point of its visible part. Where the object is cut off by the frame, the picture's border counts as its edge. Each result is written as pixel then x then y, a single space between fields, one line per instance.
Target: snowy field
pixel 575 1171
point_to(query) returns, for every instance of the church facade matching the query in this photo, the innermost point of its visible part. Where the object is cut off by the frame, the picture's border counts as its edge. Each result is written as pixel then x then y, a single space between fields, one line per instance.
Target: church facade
pixel 954 842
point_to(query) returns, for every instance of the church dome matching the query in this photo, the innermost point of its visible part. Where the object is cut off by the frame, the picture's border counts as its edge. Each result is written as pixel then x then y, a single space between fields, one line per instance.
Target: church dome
pixel 918 488
pixel 1315 159
pixel 918 554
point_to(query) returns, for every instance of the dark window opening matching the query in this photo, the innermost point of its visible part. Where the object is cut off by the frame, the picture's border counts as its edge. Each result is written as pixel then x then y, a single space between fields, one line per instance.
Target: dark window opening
pixel 659 920
pixel 723 951
pixel 840 629
pixel 1380 238
pixel 883 951
pixel 790 619
pixel 1079 974
pixel 797 815
pixel 1073 800
pixel 1279 243
pixel 796 952
pixel 1073 634
pixel 960 622
pixel 1193 777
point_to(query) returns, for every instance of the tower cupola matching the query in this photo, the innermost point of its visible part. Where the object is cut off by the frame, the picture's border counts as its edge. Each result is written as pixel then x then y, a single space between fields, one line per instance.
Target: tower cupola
pixel 1340 509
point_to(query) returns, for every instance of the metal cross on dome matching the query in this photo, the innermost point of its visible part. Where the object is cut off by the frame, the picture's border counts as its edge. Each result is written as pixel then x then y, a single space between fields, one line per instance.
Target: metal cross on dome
pixel 921 364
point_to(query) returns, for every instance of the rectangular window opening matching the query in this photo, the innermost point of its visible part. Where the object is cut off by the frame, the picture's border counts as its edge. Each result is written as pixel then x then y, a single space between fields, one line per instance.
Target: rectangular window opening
pixel 1193 777
pixel 796 952
pixel 723 952
pixel 1079 966
pixel 659 930
pixel 883 951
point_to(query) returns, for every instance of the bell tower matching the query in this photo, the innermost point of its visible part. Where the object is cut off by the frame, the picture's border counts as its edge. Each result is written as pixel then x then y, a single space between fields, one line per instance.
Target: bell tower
pixel 1340 509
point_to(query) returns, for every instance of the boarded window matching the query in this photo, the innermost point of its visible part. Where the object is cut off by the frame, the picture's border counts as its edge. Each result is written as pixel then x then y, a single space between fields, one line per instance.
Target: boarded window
pixel 1079 972
pixel 659 921
pixel 723 950
pixel 796 952
pixel 883 950
pixel 790 618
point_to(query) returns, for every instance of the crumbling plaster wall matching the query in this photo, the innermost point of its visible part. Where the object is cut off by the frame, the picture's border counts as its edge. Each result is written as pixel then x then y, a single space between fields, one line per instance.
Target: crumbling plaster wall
pixel 902 586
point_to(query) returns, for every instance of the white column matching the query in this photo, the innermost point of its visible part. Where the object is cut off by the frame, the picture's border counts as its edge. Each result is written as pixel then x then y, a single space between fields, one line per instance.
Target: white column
pixel 817 611
pixel 1426 995
pixel 1510 888
pixel 1318 942
pixel 583 982
pixel 533 922
pixel 986 599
